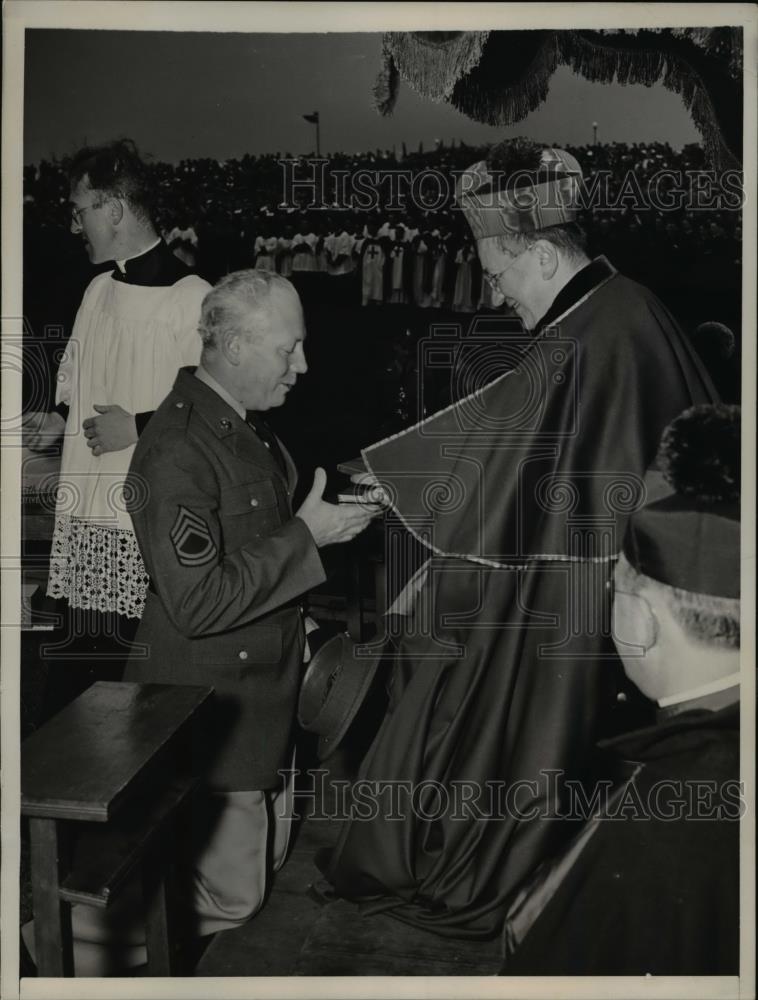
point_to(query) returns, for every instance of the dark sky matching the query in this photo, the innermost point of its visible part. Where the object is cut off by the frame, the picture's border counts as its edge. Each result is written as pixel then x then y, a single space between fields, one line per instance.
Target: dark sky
pixel 184 94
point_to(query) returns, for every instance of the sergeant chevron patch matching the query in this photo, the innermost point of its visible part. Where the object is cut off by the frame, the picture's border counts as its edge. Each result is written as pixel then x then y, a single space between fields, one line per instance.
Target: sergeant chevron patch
pixel 193 542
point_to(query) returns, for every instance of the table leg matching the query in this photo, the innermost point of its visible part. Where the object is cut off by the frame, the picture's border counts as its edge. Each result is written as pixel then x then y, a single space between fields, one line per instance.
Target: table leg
pixel 52 917
pixel 159 888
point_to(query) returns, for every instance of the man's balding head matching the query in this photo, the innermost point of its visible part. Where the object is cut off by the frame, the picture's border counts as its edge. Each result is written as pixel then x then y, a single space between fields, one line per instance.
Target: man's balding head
pixel 251 325
pixel 242 302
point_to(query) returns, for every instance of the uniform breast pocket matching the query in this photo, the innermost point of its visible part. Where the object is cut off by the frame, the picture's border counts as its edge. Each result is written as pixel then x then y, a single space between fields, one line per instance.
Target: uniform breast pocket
pixel 252 508
pixel 259 644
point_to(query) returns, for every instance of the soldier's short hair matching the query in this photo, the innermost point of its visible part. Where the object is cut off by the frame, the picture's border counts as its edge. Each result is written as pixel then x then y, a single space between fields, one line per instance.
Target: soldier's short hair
pixel 232 304
pixel 704 617
pixel 115 170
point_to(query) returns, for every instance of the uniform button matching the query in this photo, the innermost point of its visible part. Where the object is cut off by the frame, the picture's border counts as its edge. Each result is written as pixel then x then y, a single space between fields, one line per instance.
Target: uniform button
pixel 253 502
pixel 267 445
pixel 242 654
pixel 179 406
pixel 621 697
pixel 226 424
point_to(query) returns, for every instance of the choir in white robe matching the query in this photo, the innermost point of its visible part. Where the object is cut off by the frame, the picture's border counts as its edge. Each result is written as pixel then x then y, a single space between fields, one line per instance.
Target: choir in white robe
pixel 438 277
pixel 372 272
pixel 128 342
pixel 285 256
pixel 265 253
pixel 397 256
pixel 421 294
pixel 462 301
pixel 304 252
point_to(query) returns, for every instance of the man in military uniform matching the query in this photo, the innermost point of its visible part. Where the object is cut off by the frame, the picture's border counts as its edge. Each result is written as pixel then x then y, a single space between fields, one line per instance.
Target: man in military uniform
pixel 210 496
pixel 228 563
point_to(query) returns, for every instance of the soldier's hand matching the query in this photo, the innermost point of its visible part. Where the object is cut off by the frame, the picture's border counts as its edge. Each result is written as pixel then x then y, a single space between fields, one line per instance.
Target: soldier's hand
pixel 331 523
pixel 113 430
pixel 40 430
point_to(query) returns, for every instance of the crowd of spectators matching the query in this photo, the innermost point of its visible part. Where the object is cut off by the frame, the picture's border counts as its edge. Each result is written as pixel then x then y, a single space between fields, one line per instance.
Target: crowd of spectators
pixel 408 259
pixel 222 215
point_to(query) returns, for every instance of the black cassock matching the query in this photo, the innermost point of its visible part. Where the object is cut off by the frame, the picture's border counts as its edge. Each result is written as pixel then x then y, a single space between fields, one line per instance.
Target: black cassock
pixel 656 889
pixel 505 671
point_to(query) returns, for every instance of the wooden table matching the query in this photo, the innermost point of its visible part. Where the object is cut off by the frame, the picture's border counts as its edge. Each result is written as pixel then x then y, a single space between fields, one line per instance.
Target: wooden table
pixel 85 765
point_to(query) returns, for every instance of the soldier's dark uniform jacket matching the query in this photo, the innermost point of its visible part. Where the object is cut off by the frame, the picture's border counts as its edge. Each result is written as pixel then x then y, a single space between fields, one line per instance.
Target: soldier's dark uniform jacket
pixel 227 562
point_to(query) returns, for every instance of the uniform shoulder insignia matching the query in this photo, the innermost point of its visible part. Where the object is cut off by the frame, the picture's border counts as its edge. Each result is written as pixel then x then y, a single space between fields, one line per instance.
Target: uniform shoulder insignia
pixel 192 539
pixel 176 412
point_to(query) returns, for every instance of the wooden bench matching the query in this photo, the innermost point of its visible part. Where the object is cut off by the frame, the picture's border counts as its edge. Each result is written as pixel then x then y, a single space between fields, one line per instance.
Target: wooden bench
pixel 102 784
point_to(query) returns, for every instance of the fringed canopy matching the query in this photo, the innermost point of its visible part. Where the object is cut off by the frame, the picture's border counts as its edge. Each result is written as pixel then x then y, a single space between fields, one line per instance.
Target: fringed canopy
pixel 499 77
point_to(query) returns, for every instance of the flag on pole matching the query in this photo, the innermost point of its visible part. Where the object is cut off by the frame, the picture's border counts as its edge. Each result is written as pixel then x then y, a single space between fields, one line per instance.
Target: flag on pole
pixel 312 118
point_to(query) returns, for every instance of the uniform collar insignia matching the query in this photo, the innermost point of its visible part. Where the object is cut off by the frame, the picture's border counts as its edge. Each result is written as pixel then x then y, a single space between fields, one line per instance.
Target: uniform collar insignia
pixel 223 420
